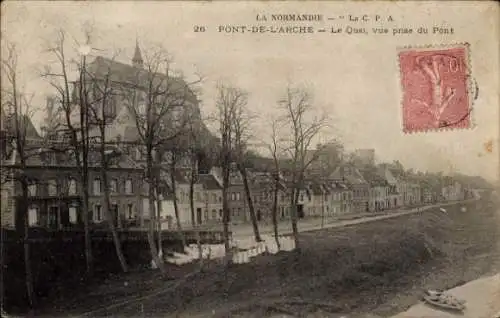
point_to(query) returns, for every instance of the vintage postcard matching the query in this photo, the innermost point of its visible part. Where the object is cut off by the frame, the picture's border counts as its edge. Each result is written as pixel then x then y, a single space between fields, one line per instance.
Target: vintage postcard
pixel 250 159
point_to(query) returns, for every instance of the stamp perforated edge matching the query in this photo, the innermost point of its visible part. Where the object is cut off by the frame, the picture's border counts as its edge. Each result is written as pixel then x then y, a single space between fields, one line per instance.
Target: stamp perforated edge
pixel 471 85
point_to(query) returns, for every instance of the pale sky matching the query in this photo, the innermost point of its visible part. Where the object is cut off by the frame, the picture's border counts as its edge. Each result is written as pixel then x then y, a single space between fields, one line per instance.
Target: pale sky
pixel 354 77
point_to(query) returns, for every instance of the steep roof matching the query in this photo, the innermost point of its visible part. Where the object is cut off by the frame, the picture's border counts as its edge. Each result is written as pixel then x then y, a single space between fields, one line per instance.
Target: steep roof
pixel 123 127
pixel 25 123
pixel 349 174
pixel 209 182
pixel 122 73
pixel 372 177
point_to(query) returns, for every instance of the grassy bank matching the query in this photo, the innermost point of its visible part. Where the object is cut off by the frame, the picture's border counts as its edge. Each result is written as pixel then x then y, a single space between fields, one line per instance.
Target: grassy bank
pixel 378 267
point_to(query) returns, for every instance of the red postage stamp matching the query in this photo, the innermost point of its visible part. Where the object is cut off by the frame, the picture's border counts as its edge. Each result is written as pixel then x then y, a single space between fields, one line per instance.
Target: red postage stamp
pixel 435 83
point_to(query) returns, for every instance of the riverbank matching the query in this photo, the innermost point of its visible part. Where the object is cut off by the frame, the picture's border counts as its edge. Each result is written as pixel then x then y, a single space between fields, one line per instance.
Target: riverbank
pixel 377 267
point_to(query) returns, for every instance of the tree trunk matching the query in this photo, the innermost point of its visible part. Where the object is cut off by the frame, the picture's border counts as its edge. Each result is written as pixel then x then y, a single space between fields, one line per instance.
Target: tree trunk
pixel 110 218
pixel 86 224
pixel 191 205
pixel 84 132
pixel 195 221
pixel 294 199
pixel 323 210
pixel 253 217
pixel 275 212
pixel 152 214
pixel 176 206
pixel 26 245
pixel 158 216
pixel 225 214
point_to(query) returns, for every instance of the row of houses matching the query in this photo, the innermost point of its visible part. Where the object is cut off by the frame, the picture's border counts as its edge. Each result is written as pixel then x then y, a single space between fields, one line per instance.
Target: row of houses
pixel 55 198
pixel 348 190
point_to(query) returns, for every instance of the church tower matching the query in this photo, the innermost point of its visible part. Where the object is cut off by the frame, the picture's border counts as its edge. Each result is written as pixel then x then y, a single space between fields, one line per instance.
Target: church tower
pixel 137 59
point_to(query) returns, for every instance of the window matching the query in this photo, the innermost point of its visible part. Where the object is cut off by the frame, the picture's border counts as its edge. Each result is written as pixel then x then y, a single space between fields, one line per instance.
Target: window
pixel 130 211
pixel 128 186
pixel 220 199
pixel 214 198
pixel 97 186
pixel 71 186
pixel 33 216
pixel 32 189
pixel 73 218
pixel 214 214
pixel 198 196
pixel 301 197
pixel 238 196
pixel 113 185
pixel 220 213
pixel 52 185
pixel 233 197
pixel 98 213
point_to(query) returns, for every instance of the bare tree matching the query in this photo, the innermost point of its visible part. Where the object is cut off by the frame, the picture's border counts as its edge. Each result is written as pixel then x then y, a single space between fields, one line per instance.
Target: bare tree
pixel 228 101
pixel 75 127
pixel 18 110
pixel 156 101
pixel 274 149
pixel 304 125
pixel 99 98
pixel 241 127
pixel 173 184
pixel 193 149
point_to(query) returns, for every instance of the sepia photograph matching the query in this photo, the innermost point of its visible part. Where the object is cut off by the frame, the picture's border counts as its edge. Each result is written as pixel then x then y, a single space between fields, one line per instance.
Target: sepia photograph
pixel 250 159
